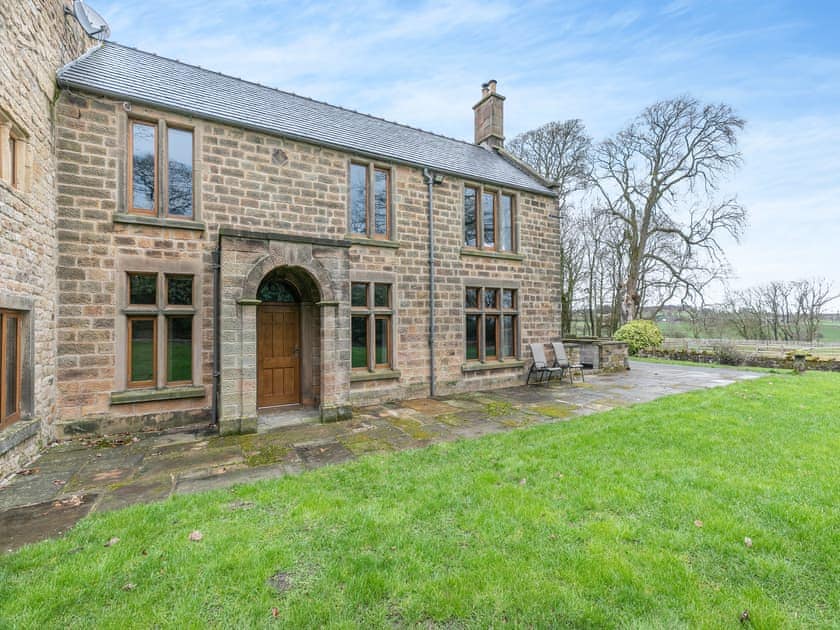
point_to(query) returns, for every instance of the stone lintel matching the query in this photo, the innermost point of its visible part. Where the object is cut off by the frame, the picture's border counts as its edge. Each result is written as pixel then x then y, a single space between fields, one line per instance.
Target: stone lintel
pixel 372 242
pixel 277 236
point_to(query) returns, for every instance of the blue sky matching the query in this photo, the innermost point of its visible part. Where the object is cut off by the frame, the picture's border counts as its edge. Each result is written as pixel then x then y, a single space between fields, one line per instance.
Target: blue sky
pixel 776 62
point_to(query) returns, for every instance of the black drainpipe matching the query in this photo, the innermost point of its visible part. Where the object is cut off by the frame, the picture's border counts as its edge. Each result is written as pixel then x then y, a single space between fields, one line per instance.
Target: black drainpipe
pixel 431 180
pixel 217 333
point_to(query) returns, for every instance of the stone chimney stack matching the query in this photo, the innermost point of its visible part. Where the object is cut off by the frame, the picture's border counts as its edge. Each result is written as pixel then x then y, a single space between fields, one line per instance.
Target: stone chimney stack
pixel 489 117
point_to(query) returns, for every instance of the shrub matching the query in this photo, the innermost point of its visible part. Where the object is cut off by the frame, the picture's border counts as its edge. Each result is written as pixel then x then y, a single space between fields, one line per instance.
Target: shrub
pixel 639 334
pixel 727 354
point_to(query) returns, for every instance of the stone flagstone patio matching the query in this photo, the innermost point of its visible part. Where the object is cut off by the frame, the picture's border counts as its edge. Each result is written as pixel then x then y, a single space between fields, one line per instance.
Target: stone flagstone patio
pixel 71 479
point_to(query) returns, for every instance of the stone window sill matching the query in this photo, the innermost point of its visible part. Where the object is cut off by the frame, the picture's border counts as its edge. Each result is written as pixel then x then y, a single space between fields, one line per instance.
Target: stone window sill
pixel 138 219
pixel 378 375
pixel 355 239
pixel 477 366
pixel 467 251
pixel 130 396
pixel 18 433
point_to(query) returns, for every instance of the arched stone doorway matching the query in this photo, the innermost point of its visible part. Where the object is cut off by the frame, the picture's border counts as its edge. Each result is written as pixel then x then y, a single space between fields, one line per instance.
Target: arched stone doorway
pixel 317 278
pixel 288 340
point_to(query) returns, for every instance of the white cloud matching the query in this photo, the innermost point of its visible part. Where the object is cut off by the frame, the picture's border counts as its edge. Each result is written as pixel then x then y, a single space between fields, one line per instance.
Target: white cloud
pixel 422 64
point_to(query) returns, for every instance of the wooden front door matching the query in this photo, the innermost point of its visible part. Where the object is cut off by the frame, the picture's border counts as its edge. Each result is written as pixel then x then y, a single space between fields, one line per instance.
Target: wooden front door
pixel 278 355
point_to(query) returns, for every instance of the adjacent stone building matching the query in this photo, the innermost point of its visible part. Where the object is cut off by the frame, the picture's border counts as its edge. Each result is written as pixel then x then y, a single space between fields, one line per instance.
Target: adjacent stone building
pixel 36 38
pixel 214 250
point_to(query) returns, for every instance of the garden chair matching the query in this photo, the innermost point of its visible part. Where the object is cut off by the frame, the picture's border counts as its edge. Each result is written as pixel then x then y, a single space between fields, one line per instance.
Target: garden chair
pixel 561 360
pixel 540 366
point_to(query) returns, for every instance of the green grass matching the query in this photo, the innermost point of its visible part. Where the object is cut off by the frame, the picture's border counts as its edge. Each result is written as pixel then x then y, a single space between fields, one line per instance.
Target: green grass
pixel 587 523
pixel 829 331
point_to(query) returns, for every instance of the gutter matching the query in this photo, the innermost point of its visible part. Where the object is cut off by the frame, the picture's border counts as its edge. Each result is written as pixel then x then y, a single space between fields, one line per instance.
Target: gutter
pixel 217 333
pixel 432 179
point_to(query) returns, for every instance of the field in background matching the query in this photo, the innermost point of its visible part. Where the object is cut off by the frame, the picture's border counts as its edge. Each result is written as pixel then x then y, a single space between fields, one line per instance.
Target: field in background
pixel 756 348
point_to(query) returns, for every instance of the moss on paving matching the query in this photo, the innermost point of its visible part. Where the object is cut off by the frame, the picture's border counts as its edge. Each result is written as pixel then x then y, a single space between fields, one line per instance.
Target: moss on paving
pixel 266 454
pixel 413 428
pixel 498 408
pixel 554 410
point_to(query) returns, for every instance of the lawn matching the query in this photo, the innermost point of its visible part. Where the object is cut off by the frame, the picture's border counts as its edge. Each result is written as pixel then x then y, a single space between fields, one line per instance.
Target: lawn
pixel 634 518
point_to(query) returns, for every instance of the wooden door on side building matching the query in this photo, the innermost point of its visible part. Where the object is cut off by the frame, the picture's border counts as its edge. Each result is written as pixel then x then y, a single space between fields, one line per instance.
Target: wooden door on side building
pixel 278 355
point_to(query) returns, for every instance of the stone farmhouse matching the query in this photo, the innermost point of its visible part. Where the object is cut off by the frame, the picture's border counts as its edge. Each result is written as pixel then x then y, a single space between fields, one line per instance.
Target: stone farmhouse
pixel 180 247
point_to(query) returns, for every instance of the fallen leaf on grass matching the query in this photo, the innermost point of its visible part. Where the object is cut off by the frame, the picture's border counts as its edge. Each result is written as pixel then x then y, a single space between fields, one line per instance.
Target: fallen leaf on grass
pixel 275 612
pixel 112 542
pixel 698 523
pixel 522 482
pixel 129 587
pixel 748 541
pixel 196 535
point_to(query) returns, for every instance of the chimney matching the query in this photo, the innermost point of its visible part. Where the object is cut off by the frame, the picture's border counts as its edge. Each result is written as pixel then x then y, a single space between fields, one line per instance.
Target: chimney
pixel 489 117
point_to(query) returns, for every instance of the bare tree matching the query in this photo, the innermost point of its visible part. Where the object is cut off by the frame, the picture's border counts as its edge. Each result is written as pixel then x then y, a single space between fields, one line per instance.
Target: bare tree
pixel 812 296
pixel 780 310
pixel 656 180
pixel 559 152
pixel 603 266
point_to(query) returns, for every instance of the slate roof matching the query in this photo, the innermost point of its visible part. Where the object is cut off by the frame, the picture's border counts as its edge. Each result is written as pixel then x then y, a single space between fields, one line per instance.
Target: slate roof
pixel 134 75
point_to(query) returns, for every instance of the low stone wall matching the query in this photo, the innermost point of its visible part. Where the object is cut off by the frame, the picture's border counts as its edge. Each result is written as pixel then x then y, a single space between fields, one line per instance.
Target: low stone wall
pixel 780 363
pixel 611 355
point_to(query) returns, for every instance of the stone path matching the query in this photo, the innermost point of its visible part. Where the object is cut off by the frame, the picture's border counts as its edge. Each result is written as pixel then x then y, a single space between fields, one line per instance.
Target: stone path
pixel 70 479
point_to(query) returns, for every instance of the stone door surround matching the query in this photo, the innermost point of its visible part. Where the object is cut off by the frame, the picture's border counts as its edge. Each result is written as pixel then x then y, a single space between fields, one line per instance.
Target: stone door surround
pixel 318 268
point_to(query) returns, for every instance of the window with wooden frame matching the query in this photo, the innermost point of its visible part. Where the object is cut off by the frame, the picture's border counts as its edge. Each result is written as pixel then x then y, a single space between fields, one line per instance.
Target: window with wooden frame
pixel 371 326
pixel 159 313
pixel 491 323
pixel 160 169
pixel 11 325
pixel 489 217
pixel 12 152
pixel 370 201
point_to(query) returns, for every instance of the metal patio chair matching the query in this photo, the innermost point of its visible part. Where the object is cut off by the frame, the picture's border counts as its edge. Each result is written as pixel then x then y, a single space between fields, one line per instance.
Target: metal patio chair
pixel 540 366
pixel 561 360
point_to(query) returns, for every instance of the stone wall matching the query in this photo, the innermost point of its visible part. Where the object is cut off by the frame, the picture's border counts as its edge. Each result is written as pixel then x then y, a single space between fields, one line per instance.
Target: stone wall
pixel 36 39
pixel 296 195
pixel 749 360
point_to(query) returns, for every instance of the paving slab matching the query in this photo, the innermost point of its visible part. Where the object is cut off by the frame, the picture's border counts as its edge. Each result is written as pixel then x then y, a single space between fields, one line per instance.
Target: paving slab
pixel 31 523
pixel 143 491
pixel 70 479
